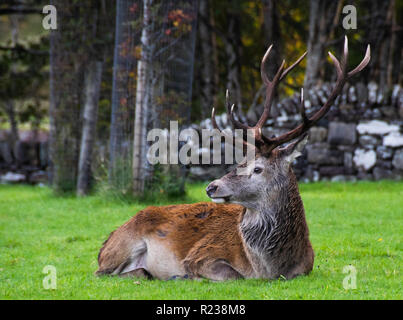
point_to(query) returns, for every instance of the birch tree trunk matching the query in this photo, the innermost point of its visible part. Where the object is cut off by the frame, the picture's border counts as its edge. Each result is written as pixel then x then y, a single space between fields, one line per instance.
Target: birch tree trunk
pixel 142 103
pixel 92 90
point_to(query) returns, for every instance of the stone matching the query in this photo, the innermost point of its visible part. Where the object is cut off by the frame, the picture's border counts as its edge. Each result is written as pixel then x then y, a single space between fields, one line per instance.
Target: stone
pixel 348 111
pixel 331 170
pixel 372 92
pixel 275 110
pixel 289 105
pixel 362 175
pixel 368 141
pixel 395 94
pixel 388 111
pixel 321 154
pixel 342 133
pixel 204 153
pixel 393 139
pixel 398 159
pixel 43 154
pixel 252 116
pixel 315 176
pixel 400 104
pixel 348 160
pixel 397 174
pixel 364 159
pixel 384 164
pixel 344 94
pixel 376 113
pixel 12 177
pixel 206 124
pixel 206 173
pixel 313 97
pixel 5 152
pixel 338 178
pixel 382 173
pixel 322 96
pixel 307 174
pixel 384 153
pixel 224 120
pixel 343 178
pixel 346 148
pixel 376 127
pixel 352 95
pixel 22 152
pixel 367 114
pixel 4 135
pixel 351 178
pixel 38 177
pixel 317 134
pixel 362 92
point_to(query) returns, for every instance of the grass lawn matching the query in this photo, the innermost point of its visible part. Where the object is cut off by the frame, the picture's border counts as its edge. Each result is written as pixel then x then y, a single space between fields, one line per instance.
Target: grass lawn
pixel 358 224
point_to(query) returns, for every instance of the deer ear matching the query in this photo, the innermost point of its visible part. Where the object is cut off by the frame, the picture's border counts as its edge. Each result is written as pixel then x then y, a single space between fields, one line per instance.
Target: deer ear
pixel 293 150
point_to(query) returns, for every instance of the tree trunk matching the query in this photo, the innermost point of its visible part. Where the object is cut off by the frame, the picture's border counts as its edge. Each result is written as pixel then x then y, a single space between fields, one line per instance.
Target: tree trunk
pixel 214 57
pixel 10 104
pixel 322 14
pixel 142 103
pixel 272 34
pixel 10 111
pixel 207 62
pixel 232 50
pixel 386 49
pixel 92 90
pixel 393 44
pixel 67 57
pixel 377 34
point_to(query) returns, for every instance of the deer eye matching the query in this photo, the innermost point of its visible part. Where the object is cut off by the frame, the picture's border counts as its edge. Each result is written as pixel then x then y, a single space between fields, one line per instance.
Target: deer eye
pixel 257 170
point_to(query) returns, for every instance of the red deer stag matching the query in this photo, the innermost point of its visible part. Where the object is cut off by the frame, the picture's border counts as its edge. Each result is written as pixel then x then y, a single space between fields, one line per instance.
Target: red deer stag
pixel 258 231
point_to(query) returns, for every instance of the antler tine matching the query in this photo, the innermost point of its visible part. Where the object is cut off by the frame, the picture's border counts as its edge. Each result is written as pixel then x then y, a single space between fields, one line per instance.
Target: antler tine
pixel 262 65
pixel 215 126
pixel 230 113
pixel 303 114
pixel 362 64
pixel 286 71
pixel 345 54
pixel 342 77
pixel 270 86
pixel 227 103
pixel 213 120
pixel 281 73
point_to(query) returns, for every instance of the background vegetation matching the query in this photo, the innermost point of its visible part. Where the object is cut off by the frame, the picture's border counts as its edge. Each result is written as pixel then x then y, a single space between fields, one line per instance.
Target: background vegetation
pixel 228 37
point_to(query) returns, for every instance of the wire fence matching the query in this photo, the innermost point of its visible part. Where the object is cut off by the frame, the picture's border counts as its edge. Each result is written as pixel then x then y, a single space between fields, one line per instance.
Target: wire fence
pixel 173 34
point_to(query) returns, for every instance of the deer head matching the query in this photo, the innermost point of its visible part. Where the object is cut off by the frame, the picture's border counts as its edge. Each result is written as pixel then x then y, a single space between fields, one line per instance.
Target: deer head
pixel 270 171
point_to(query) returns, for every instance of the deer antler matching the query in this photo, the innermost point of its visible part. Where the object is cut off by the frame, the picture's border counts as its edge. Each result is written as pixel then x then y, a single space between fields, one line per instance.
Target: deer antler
pixel 307 123
pixel 265 144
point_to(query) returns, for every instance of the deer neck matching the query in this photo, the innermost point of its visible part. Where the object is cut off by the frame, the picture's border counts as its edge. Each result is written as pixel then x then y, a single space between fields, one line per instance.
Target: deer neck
pixel 275 231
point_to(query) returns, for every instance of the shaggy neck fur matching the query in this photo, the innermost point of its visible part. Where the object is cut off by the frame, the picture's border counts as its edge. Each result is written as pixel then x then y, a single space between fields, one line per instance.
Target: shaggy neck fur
pixel 275 232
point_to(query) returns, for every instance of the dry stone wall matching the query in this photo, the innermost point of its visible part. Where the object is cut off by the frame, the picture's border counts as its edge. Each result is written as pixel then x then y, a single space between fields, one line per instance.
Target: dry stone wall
pixel 360 138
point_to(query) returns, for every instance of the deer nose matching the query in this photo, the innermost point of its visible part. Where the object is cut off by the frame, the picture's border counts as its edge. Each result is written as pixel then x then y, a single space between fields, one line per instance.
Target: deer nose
pixel 211 188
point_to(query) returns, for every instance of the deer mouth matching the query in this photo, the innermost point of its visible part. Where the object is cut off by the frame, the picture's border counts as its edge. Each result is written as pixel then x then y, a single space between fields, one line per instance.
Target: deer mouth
pixel 221 199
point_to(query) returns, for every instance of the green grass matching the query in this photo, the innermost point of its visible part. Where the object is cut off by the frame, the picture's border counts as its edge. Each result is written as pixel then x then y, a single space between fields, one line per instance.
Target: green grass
pixel 356 224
